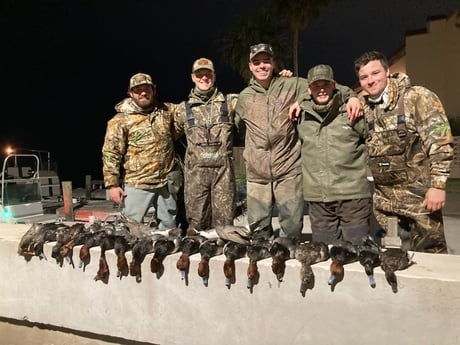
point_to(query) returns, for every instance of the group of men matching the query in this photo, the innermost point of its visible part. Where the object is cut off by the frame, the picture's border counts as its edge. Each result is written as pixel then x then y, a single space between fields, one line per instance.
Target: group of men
pixel 305 139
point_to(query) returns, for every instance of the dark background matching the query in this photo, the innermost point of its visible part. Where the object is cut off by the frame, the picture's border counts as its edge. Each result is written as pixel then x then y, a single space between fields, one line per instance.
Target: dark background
pixel 65 64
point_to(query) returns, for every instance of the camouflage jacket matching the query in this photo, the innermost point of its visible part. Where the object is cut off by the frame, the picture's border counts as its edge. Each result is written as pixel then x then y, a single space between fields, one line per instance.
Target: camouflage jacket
pixel 415 147
pixel 208 129
pixel 334 155
pixel 272 145
pixel 138 147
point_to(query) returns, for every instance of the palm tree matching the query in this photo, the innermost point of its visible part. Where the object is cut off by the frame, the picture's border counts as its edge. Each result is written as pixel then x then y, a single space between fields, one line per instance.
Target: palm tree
pixel 261 27
pixel 297 14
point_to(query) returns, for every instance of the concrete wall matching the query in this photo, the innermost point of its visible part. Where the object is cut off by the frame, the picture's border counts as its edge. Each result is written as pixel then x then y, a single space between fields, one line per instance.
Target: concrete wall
pixel 426 310
pixel 432 60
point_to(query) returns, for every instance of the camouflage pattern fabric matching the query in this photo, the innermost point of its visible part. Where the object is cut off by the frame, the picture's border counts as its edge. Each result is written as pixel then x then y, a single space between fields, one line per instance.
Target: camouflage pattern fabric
pixel 209 189
pixel 138 147
pixel 419 230
pixel 405 166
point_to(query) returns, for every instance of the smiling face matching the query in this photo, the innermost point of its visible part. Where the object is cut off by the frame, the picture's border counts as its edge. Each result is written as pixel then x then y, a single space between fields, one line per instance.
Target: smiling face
pixel 203 79
pixel 143 95
pixel 373 78
pixel 321 91
pixel 261 67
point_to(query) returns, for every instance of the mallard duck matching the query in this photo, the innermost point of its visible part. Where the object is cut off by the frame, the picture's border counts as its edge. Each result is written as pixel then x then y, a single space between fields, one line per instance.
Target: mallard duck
pixel 392 260
pixel 208 249
pixel 161 248
pixel 256 251
pixel 92 241
pixel 63 249
pixel 309 253
pixel 232 251
pixel 282 249
pixel 369 258
pixel 103 273
pixel 33 240
pixel 141 248
pixel 189 246
pixel 342 253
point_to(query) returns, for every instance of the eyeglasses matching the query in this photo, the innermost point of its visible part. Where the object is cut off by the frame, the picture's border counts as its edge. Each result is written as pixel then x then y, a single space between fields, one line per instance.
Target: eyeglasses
pixel 261 47
pixel 201 74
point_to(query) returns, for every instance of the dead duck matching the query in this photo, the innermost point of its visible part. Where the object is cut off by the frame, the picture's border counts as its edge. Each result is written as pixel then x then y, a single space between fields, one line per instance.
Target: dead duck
pixel 162 247
pixel 141 248
pixel 392 260
pixel 282 249
pixel 124 242
pixel 189 245
pixel 308 254
pixel 33 240
pixel 208 249
pixel 342 253
pixel 64 236
pixel 232 251
pixel 103 273
pixel 369 258
pixel 92 241
pixel 256 251
pixel 78 235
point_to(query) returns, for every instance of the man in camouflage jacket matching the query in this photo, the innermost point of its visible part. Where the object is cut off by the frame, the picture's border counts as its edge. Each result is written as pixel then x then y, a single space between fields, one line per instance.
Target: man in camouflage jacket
pixel 208 118
pixel 138 154
pixel 410 152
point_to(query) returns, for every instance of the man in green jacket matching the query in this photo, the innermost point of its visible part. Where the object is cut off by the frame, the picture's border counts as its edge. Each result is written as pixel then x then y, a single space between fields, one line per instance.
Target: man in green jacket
pixel 333 161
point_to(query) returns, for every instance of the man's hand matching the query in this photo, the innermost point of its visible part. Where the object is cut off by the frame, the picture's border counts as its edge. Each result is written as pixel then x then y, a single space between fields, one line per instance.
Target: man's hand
pixel 286 73
pixel 354 109
pixel 116 194
pixel 294 111
pixel 435 199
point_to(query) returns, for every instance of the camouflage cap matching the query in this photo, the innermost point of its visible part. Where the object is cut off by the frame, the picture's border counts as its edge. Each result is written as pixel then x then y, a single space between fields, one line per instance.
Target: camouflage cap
pixel 320 72
pixel 202 63
pixel 140 79
pixel 260 48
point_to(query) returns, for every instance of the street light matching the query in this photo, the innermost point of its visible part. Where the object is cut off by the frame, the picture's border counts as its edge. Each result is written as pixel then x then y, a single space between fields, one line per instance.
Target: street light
pixel 10 150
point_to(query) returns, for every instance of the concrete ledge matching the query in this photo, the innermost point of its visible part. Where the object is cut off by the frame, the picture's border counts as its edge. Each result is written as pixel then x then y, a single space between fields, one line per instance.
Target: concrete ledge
pixel 426 310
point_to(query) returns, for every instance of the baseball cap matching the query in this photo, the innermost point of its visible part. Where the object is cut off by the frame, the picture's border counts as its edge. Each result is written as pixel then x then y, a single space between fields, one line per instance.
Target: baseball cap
pixel 320 72
pixel 140 79
pixel 202 63
pixel 260 48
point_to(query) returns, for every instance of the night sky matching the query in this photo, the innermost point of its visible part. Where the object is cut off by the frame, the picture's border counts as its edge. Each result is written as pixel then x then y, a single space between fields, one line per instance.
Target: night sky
pixel 66 63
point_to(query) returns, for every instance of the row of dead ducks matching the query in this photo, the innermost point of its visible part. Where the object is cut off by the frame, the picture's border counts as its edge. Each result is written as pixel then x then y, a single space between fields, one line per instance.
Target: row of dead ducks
pixel 125 235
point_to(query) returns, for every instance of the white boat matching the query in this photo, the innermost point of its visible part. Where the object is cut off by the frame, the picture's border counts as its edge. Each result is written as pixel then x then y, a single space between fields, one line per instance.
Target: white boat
pixel 21 191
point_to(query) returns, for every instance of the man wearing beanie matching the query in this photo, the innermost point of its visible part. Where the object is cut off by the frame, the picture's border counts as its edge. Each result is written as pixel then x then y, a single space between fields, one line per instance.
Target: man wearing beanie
pixel 138 155
pixel 333 161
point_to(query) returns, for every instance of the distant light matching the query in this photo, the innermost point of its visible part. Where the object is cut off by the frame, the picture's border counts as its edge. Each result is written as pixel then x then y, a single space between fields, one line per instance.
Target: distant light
pixel 9 150
pixel 6 214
